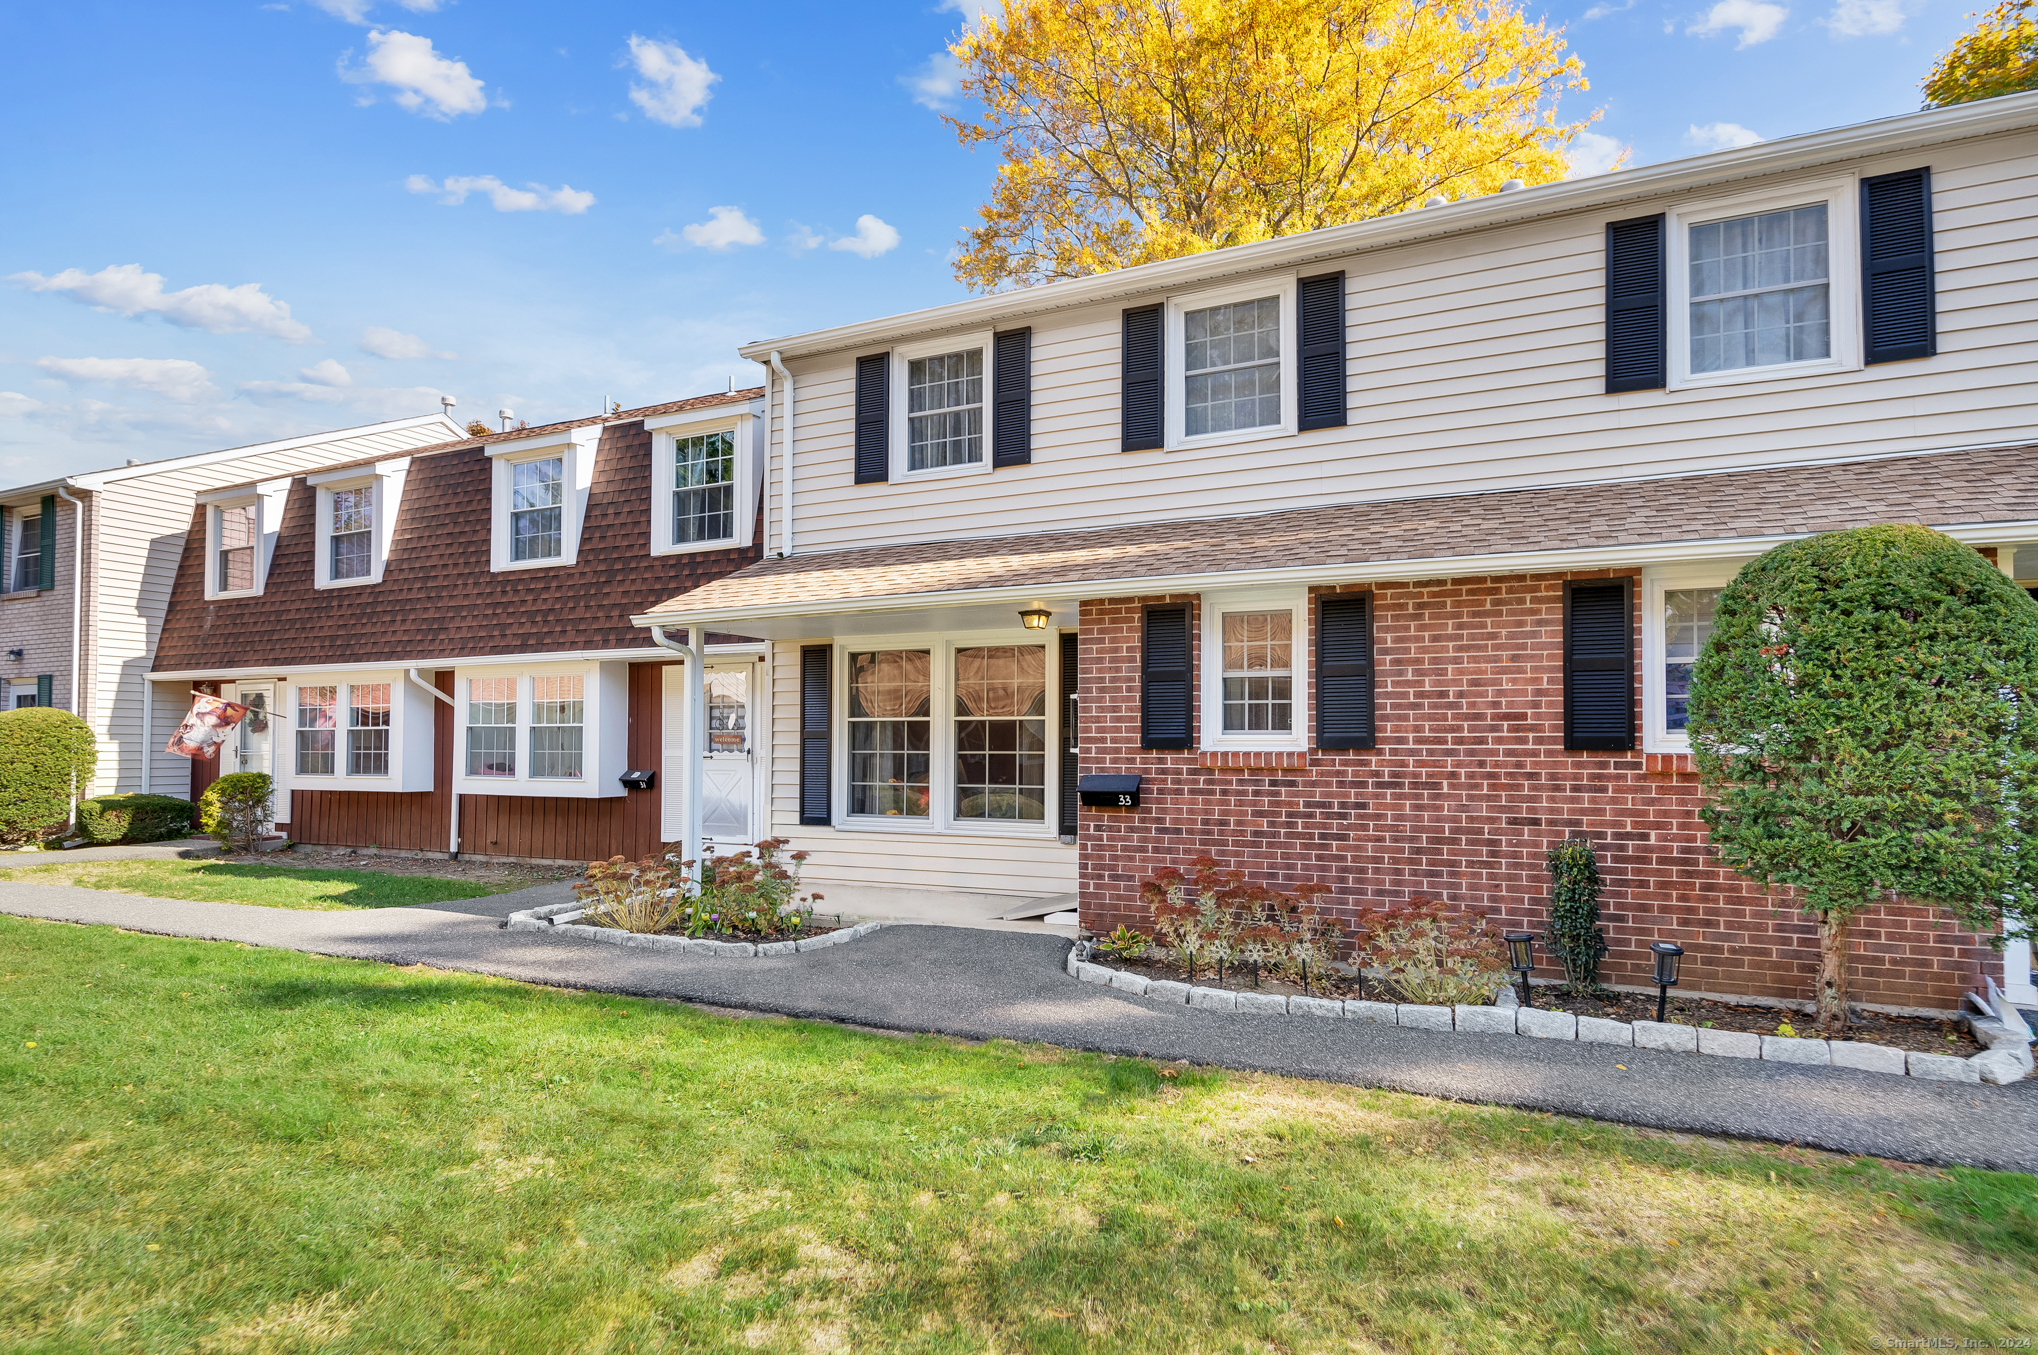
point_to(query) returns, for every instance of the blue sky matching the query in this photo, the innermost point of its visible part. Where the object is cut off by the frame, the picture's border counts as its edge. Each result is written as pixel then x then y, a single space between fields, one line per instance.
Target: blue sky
pixel 232 222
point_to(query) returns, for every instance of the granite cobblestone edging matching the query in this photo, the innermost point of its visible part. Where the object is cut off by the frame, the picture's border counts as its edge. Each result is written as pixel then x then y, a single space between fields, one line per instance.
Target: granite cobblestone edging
pixel 2008 1060
pixel 559 917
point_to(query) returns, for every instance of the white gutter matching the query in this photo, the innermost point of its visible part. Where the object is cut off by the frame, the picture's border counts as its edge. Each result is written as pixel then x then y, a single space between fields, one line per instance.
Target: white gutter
pixel 690 846
pixel 785 518
pixel 275 670
pixel 1362 571
pixel 1886 136
pixel 77 587
pixel 453 813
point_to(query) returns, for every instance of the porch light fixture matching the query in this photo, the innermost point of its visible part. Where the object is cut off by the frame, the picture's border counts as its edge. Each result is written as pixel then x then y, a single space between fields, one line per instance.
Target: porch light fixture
pixel 1035 618
pixel 1667 956
pixel 1521 958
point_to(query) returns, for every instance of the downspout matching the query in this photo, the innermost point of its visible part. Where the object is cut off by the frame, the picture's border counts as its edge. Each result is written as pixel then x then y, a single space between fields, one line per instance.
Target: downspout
pixel 453 793
pixel 785 521
pixel 690 846
pixel 77 615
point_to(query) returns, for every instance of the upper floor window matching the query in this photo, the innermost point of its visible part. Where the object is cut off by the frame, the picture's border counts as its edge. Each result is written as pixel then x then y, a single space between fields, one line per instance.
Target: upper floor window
pixel 240 535
pixel 352 541
pixel 537 499
pixel 1231 365
pixel 704 487
pixel 945 410
pixel 24 571
pixel 235 538
pixel 1759 293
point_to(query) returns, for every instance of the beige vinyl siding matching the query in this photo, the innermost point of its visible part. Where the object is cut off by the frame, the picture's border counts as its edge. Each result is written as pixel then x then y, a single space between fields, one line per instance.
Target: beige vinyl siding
pixel 978 863
pixel 1475 363
pixel 39 623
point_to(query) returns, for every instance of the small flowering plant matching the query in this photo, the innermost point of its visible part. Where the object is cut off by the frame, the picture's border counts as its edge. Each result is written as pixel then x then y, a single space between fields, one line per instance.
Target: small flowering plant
pixel 754 892
pixel 1208 915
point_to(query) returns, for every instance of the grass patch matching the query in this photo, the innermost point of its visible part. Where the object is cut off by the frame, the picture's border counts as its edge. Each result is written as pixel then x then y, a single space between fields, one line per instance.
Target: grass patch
pixel 268 886
pixel 215 1148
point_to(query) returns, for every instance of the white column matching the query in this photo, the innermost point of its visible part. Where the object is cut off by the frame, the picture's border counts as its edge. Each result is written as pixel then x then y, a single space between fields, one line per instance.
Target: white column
pixel 2017 985
pixel 696 739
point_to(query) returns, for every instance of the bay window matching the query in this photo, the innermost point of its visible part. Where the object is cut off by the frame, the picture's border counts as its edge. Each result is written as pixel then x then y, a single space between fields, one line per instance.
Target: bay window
pixel 359 731
pixel 556 729
pixel 368 729
pixel 317 714
pixel 492 726
pixel 558 720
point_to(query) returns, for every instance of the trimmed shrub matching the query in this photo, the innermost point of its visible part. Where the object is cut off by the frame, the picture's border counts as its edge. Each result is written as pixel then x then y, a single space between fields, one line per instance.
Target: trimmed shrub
pixel 1864 721
pixel 46 757
pixel 234 808
pixel 1574 933
pixel 135 818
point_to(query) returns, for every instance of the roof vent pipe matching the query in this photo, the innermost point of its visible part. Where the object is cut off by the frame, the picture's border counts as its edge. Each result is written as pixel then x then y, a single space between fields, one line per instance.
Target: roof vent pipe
pixel 505 415
pixel 1436 200
pixel 1513 186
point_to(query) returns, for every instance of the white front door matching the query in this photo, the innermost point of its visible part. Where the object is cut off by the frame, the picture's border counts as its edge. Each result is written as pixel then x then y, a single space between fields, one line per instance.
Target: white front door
pixel 256 739
pixel 728 766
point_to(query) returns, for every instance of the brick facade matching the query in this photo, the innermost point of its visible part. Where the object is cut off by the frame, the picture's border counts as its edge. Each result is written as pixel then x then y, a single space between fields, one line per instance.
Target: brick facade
pixel 1469 785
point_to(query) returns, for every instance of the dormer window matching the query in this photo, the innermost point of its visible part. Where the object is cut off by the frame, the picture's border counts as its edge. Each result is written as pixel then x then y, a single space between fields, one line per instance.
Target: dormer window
pixel 538 497
pixel 355 517
pixel 236 538
pixel 705 476
pixel 240 536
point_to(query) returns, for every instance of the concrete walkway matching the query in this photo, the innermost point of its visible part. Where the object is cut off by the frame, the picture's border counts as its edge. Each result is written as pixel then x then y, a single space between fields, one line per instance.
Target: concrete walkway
pixel 175 850
pixel 988 984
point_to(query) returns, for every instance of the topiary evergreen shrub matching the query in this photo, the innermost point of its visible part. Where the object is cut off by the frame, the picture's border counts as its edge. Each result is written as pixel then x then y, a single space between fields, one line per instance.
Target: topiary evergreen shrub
pixel 1574 934
pixel 1864 722
pixel 46 756
pixel 234 808
pixel 135 818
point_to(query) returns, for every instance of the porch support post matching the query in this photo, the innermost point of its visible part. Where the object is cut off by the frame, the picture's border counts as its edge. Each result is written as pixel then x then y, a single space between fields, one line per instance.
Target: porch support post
pixel 696 741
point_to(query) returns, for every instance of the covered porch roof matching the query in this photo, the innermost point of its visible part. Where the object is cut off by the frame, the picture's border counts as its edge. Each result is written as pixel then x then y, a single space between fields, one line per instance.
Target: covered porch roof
pixel 1981 495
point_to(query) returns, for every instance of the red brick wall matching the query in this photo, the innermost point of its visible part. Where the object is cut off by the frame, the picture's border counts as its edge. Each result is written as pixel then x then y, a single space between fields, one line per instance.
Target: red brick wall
pixel 1469 785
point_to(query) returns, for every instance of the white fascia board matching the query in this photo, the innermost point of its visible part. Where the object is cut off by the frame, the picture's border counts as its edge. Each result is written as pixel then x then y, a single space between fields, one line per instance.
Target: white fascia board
pixel 587 435
pixel 1985 117
pixel 395 465
pixel 719 414
pixel 26 494
pixel 279 671
pixel 106 477
pixel 1367 571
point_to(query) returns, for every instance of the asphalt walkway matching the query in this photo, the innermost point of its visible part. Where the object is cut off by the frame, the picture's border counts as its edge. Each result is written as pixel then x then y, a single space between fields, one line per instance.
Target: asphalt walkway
pixel 1011 985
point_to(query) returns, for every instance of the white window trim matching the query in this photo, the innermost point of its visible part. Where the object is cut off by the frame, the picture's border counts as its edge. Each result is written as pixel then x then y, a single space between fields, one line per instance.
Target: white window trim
pixel 388 478
pixel 267 499
pixel 576 449
pixel 410 735
pixel 1843 279
pixel 1657 580
pixel 897 420
pixel 665 434
pixel 1211 669
pixel 604 738
pixel 2006 559
pixel 1281 285
pixel 941 817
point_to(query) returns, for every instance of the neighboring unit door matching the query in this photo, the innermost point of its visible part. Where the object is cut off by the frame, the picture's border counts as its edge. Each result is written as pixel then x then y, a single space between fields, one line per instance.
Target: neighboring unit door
pixel 257 737
pixel 728 767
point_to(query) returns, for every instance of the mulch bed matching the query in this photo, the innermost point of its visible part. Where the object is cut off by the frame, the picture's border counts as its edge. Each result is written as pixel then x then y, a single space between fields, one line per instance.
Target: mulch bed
pixel 811 930
pixel 1922 1034
pixel 1338 983
pixel 496 874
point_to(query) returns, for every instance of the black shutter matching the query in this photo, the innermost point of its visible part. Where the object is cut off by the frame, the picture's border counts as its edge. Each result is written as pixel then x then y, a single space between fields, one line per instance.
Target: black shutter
pixel 1068 733
pixel 1164 678
pixel 1344 671
pixel 1320 351
pixel 1599 665
pixel 873 418
pixel 1635 306
pixel 1896 266
pixel 6 550
pixel 45 690
pixel 48 578
pixel 1142 398
pixel 814 733
pixel 1012 398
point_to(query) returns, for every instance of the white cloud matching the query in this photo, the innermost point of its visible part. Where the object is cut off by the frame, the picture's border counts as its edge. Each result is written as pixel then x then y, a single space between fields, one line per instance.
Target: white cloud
pixel 804 238
pixel 677 86
pixel 873 237
pixel 172 377
pixel 1602 10
pixel 531 198
pixel 356 11
pixel 1594 153
pixel 424 81
pixel 724 228
pixel 394 344
pixel 213 307
pixel 1721 136
pixel 14 402
pixel 937 84
pixel 327 372
pixel 1757 20
pixel 1865 18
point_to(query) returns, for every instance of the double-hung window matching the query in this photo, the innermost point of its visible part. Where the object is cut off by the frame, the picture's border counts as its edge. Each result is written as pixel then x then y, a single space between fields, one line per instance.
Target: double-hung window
pixel 234 539
pixel 558 718
pixel 1001 733
pixel 492 726
pixel 1259 672
pixel 368 729
pixel 1680 602
pixel 537 506
pixel 890 735
pixel 352 540
pixel 704 487
pixel 945 410
pixel 317 714
pixel 25 569
pixel 1759 290
pixel 1231 365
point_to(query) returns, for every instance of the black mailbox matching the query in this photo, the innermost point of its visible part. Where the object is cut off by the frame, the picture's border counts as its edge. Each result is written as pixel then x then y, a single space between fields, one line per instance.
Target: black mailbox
pixel 1109 791
pixel 639 780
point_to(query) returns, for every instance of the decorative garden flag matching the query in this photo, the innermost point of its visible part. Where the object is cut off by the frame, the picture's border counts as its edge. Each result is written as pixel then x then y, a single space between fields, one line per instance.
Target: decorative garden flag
pixel 205 728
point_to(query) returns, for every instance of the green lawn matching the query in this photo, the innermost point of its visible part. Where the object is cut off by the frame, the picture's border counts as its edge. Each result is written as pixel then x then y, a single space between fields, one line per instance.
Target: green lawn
pixel 213 1148
pixel 269 886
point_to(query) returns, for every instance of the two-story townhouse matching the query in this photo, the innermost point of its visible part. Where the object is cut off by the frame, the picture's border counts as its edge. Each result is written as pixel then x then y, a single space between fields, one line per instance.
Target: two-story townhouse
pixel 436 647
pixel 77 626
pixel 1377 557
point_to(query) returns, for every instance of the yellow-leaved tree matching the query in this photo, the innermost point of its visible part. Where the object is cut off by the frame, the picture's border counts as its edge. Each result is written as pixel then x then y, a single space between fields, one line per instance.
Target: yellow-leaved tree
pixel 1135 130
pixel 1999 55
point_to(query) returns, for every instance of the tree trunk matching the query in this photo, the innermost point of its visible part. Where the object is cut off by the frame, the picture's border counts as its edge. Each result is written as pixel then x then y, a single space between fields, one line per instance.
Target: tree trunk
pixel 1832 998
